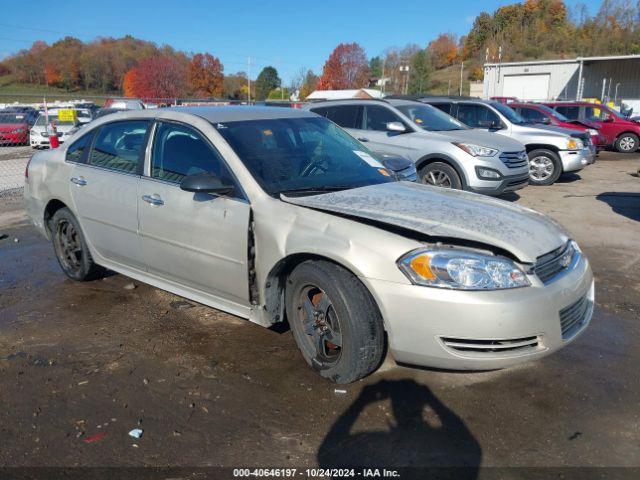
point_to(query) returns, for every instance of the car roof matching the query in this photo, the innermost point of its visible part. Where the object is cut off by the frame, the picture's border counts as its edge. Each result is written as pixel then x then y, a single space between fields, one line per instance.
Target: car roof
pixel 227 113
pixel 365 101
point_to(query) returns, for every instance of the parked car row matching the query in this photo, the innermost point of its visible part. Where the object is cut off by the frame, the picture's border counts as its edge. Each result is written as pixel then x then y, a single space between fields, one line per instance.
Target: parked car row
pixel 277 215
pixel 463 143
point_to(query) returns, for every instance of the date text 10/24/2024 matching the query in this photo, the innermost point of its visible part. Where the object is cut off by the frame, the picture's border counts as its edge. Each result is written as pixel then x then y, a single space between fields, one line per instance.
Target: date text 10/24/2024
pixel 316 472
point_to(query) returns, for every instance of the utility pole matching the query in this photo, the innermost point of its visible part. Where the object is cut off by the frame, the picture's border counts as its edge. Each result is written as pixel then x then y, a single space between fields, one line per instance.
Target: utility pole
pixel 248 80
pixel 461 70
pixel 384 60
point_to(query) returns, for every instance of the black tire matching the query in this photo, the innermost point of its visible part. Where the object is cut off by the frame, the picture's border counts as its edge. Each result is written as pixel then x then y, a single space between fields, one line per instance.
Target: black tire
pixel 440 174
pixel 627 143
pixel 352 313
pixel 71 248
pixel 545 167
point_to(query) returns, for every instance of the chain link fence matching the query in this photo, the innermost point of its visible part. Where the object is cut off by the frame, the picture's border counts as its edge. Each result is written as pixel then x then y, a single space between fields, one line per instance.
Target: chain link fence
pixel 13 161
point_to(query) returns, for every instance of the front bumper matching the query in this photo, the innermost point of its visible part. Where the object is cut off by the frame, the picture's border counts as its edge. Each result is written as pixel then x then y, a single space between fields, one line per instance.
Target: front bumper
pixel 506 184
pixel 8 138
pixel 574 160
pixel 421 321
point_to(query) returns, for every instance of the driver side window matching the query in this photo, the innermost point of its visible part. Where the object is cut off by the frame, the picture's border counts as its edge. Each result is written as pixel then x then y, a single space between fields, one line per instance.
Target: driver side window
pixel 179 151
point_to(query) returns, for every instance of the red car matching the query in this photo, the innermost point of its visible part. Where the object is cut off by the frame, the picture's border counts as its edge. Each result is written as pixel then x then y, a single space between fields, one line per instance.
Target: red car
pixel 504 100
pixel 538 113
pixel 620 132
pixel 14 129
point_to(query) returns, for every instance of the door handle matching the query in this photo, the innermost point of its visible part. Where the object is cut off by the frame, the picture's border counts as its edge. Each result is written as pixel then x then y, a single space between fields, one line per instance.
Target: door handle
pixel 154 200
pixel 79 181
pixel 363 139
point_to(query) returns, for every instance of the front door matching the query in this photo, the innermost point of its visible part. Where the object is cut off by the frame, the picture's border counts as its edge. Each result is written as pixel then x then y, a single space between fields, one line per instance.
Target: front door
pixel 104 189
pixel 193 239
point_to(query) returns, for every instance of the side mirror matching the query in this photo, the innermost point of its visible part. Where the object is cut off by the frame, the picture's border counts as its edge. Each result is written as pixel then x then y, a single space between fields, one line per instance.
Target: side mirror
pixel 205 183
pixel 396 127
pixel 608 118
pixel 546 120
pixel 495 125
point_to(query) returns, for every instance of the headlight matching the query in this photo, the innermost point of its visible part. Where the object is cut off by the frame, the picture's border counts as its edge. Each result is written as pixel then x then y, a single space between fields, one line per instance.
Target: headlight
pixel 593 132
pixel 476 150
pixel 461 270
pixel 574 144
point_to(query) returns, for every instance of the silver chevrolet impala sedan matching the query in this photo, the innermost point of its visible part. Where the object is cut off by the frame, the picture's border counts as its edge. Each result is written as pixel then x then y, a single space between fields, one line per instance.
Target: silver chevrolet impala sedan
pixel 278 215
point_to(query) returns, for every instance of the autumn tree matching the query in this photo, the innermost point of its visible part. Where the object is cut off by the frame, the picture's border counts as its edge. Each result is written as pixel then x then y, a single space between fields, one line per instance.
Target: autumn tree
pixel 267 81
pixel 235 86
pixel 205 75
pixel 443 51
pixel 309 84
pixel 160 77
pixel 129 83
pixel 346 67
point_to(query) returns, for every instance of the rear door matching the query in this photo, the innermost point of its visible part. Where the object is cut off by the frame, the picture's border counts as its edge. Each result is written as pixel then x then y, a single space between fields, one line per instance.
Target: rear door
pixel 196 240
pixel 104 188
pixel 348 117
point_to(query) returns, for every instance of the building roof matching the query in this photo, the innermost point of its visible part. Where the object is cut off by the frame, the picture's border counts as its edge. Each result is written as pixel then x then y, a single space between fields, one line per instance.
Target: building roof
pixel 344 94
pixel 564 60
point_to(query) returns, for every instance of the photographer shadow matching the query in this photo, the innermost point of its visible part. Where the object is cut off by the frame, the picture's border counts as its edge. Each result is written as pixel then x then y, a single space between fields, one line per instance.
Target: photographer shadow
pixel 411 441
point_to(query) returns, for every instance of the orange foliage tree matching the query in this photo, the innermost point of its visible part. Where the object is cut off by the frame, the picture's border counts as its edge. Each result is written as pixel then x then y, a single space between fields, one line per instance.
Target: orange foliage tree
pixel 129 83
pixel 52 75
pixel 205 75
pixel 443 50
pixel 347 67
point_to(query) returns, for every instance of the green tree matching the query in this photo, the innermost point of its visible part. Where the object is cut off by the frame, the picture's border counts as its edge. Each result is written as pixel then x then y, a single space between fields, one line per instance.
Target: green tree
pixel 267 80
pixel 419 72
pixel 375 67
pixel 279 94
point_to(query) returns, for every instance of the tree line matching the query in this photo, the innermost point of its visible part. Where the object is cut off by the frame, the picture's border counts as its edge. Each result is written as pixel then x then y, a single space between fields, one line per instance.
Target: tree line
pixel 533 29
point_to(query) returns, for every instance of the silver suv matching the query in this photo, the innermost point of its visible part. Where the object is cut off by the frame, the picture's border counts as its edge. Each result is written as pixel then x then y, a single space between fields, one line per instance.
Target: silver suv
pixel 446 152
pixel 552 150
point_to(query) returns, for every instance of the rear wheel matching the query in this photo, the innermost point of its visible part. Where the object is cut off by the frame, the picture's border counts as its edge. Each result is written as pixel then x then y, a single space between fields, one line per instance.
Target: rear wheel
pixel 440 174
pixel 71 247
pixel 545 167
pixel 334 321
pixel 627 143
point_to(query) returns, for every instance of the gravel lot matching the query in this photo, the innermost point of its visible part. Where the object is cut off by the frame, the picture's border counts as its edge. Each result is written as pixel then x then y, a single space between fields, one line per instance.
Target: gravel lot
pixel 209 389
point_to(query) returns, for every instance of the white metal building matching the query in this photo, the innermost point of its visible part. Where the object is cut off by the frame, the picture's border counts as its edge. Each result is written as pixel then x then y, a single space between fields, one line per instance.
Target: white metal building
pixel 611 78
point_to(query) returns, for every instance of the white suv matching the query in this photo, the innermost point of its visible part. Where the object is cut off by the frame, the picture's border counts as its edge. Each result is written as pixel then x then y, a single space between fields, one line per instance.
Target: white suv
pixel 446 152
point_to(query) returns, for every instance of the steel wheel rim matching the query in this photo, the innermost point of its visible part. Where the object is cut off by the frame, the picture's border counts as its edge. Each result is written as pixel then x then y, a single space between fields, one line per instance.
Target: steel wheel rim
pixel 320 323
pixel 437 178
pixel 541 168
pixel 69 246
pixel 627 143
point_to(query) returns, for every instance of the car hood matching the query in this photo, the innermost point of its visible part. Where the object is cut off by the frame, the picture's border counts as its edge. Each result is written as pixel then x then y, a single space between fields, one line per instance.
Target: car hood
pixel 549 129
pixel 484 139
pixel 442 213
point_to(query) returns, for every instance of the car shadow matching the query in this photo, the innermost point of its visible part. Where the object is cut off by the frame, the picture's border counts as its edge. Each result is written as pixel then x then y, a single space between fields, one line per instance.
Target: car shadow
pixel 509 197
pixel 423 433
pixel 626 204
pixel 569 177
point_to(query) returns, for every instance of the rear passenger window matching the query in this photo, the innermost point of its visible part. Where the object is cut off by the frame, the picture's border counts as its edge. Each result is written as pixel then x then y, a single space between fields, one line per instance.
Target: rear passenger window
pixel 76 150
pixel 179 151
pixel 532 115
pixel 119 146
pixel 572 113
pixel 347 116
pixel 477 116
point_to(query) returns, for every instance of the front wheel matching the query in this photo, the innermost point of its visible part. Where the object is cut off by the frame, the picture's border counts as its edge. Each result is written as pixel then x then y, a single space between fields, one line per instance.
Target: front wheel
pixel 334 320
pixel 440 174
pixel 545 167
pixel 627 143
pixel 71 248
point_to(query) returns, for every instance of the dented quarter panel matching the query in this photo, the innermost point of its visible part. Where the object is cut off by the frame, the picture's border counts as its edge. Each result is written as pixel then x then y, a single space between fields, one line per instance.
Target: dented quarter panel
pixel 447 213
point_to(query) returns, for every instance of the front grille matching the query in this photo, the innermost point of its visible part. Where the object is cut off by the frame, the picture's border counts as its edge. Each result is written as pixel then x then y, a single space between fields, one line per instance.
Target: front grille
pixel 573 317
pixel 491 346
pixel 514 159
pixel 549 266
